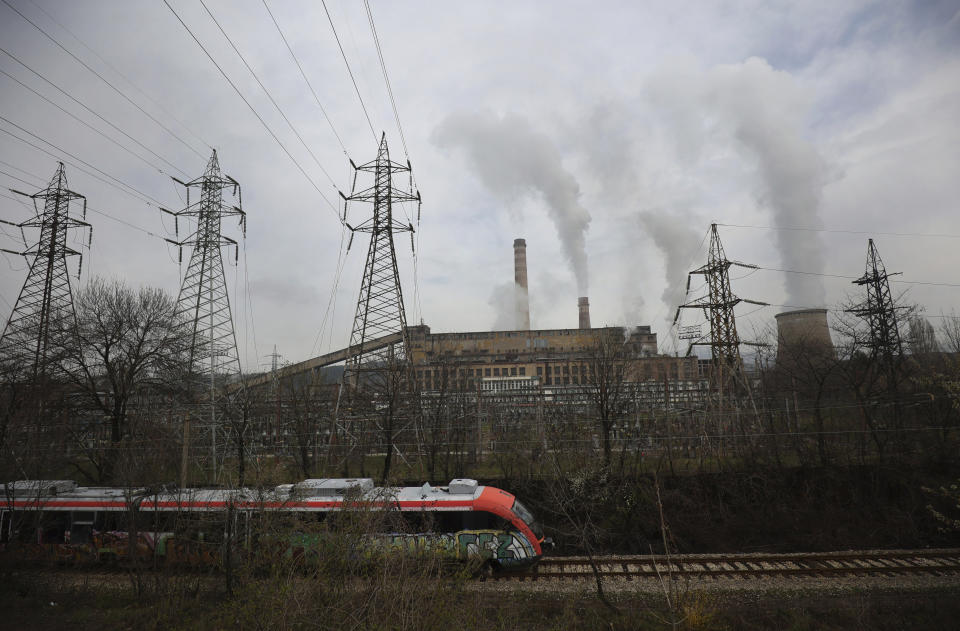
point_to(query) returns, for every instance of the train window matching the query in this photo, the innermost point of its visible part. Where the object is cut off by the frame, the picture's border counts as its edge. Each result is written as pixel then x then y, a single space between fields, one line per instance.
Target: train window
pixel 5 522
pixel 482 520
pixel 524 514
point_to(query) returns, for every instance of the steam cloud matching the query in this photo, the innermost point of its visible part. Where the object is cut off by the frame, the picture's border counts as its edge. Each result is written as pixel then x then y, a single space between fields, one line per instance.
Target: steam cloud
pixel 676 240
pixel 509 302
pixel 763 110
pixel 513 161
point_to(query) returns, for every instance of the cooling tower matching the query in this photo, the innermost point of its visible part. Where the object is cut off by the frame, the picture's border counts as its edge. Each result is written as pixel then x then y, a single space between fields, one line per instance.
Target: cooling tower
pixel 583 305
pixel 520 281
pixel 803 334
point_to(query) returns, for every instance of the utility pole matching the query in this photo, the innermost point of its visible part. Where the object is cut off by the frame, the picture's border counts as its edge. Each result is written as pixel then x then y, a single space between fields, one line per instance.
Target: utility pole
pixel 726 378
pixel 42 326
pixel 372 373
pixel 203 312
pixel 275 385
pixel 880 312
pixel 879 309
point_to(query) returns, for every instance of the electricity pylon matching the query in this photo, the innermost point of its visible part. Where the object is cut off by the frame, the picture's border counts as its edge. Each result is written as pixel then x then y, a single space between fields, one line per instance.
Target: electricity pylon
pixel 879 309
pixel 727 376
pixel 379 351
pixel 202 314
pixel 380 311
pixel 41 329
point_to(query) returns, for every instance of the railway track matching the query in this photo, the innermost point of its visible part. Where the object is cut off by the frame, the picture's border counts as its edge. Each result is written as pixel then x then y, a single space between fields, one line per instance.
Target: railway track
pixel 718 566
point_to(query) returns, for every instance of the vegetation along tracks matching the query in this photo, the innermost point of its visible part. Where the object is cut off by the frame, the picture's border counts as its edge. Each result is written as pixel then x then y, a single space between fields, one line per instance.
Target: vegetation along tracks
pixel 818 564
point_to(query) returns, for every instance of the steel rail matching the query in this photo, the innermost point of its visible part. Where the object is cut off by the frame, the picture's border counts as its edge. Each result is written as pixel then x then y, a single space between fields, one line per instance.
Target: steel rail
pixel 823 564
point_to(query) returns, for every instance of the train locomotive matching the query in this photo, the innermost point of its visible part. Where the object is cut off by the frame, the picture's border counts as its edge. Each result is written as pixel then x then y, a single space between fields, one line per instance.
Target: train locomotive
pixel 462 520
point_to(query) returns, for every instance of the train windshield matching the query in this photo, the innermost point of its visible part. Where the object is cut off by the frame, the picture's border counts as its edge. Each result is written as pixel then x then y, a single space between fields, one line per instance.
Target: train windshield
pixel 525 515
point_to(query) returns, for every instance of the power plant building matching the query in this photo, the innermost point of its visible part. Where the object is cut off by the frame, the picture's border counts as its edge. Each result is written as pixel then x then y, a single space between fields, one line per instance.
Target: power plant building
pixel 550 362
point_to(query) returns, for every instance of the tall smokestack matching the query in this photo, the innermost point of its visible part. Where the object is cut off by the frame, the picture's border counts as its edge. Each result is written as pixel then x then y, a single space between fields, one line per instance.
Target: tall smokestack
pixel 520 280
pixel 583 304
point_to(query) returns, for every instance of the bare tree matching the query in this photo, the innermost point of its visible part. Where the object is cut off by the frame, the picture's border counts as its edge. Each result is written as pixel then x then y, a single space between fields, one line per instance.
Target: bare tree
pixel 126 350
pixel 606 369
pixel 949 331
pixel 923 337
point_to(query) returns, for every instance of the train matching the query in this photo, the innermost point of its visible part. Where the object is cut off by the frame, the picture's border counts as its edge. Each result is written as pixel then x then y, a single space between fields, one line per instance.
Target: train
pixel 463 520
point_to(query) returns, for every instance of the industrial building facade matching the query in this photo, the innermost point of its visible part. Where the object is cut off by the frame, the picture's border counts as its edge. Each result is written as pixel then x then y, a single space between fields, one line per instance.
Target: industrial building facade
pixel 552 363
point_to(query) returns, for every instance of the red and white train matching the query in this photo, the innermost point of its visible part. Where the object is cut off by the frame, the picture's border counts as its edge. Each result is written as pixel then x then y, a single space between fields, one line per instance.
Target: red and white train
pixel 463 519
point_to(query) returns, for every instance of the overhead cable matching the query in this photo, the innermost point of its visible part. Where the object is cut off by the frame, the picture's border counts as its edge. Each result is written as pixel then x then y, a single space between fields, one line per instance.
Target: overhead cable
pixel 267 92
pixel 830 230
pixel 91 127
pixel 349 71
pixel 137 193
pixel 304 75
pixel 386 78
pixel 102 78
pixel 123 76
pixel 333 208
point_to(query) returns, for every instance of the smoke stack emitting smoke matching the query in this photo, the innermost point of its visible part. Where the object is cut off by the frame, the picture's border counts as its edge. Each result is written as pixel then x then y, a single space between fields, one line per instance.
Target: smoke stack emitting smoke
pixel 583 306
pixel 763 111
pixel 513 161
pixel 520 284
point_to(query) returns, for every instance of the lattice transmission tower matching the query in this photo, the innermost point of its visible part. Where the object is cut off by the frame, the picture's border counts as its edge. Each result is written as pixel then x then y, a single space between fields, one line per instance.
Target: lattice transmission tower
pixel 379 350
pixel 380 311
pixel 726 374
pixel 879 309
pixel 41 329
pixel 202 312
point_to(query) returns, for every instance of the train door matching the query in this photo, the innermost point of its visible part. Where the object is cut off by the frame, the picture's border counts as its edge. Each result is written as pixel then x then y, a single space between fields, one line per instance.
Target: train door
pixel 6 525
pixel 81 526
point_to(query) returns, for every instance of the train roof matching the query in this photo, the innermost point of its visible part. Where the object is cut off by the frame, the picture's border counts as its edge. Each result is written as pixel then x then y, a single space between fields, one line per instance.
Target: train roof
pixel 316 493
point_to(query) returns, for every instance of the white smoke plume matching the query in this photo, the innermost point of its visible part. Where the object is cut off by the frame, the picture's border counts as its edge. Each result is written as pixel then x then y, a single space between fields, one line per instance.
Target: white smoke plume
pixel 676 240
pixel 513 160
pixel 508 301
pixel 763 111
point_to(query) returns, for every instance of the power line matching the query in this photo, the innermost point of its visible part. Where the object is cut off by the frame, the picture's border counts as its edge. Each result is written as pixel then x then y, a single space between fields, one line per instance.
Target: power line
pixel 89 207
pixel 84 106
pixel 123 76
pixel 102 78
pixel 352 79
pixel 333 208
pixel 906 282
pixel 867 232
pixel 267 92
pixel 386 78
pixel 16 168
pixel 143 197
pixel 304 75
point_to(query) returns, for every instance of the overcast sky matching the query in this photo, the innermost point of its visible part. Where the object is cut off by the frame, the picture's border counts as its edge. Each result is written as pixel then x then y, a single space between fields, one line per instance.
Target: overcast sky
pixel 608 135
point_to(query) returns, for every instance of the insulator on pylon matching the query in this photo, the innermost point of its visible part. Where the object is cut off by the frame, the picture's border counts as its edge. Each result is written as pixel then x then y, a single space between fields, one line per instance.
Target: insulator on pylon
pixel 350 242
pixel 412 249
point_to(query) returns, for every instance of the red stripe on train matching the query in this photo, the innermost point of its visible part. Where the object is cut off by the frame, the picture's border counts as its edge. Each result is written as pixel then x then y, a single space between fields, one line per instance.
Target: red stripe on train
pixel 175 504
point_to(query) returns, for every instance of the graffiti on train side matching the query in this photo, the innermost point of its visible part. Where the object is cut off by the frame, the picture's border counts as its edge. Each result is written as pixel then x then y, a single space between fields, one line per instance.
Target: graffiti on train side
pixel 486 544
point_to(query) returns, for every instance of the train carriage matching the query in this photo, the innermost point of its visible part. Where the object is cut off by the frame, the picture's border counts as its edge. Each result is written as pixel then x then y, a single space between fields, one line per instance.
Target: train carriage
pixel 463 519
